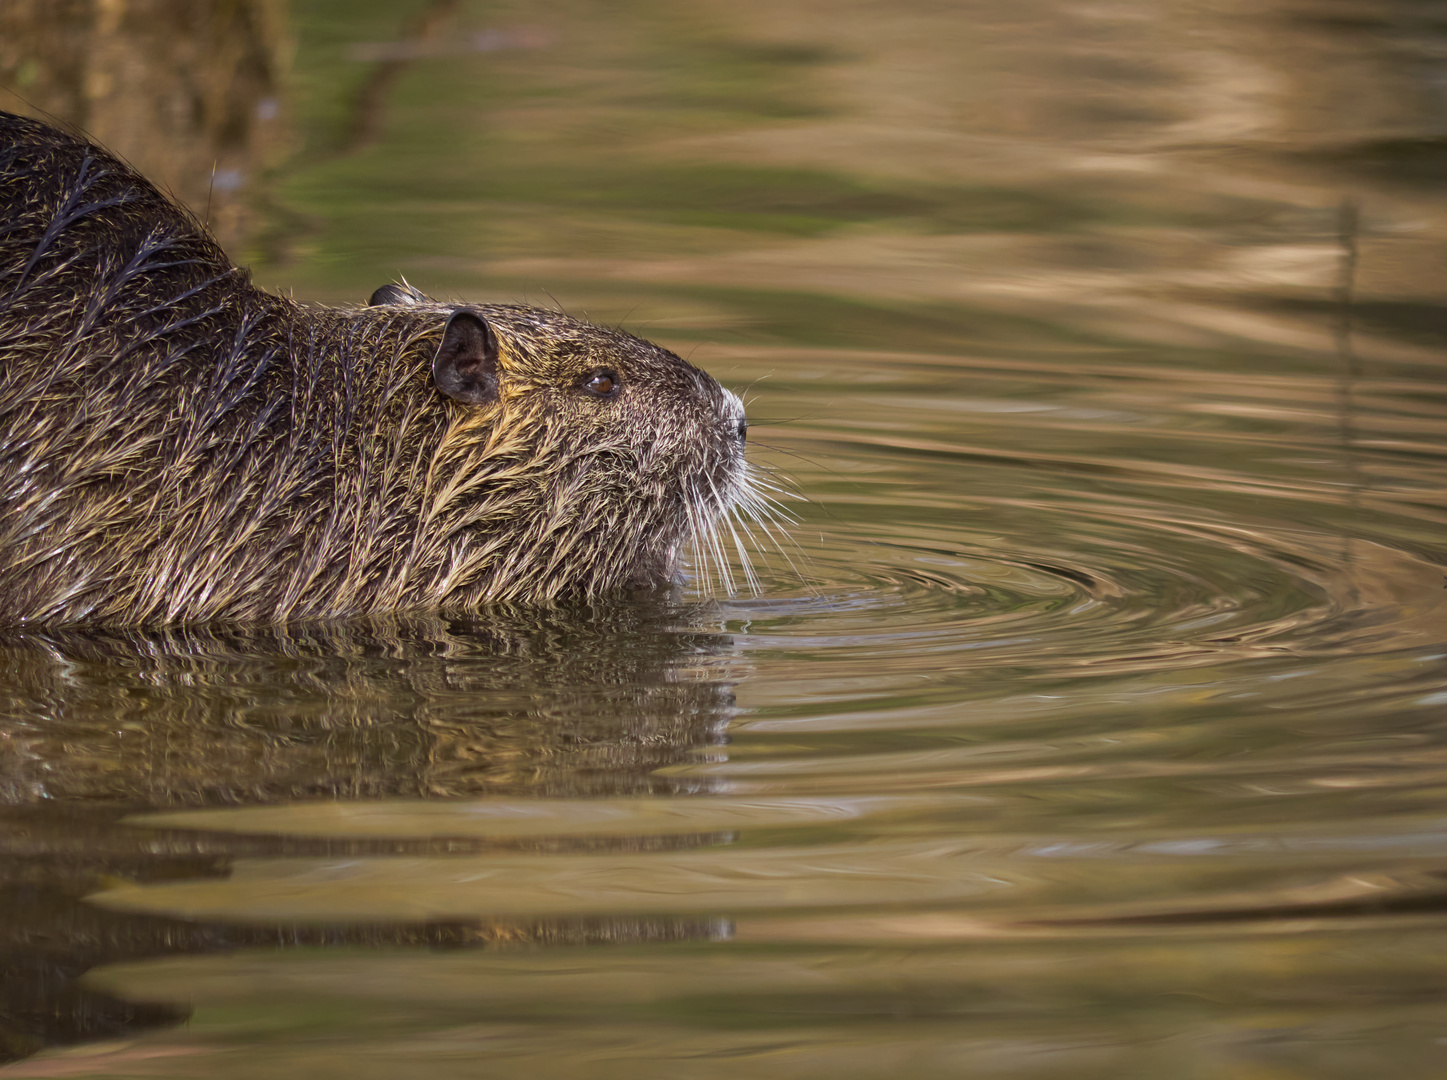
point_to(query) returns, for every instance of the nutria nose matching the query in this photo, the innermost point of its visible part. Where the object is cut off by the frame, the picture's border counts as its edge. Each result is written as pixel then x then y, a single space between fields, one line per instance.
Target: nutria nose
pixel 743 429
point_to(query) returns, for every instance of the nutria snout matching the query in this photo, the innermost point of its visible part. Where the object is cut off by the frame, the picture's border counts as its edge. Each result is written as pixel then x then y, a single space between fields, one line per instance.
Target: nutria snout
pixel 178 445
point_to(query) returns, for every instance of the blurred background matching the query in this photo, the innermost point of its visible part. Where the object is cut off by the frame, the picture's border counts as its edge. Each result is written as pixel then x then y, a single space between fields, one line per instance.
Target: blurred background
pixel 854 172
pixel 1089 720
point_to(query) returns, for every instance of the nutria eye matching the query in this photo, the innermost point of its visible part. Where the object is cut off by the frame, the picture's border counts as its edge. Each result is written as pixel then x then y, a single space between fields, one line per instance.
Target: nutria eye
pixel 601 383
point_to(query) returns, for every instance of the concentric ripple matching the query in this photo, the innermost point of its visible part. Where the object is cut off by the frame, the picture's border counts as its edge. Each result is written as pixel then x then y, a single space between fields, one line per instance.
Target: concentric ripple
pixel 1189 544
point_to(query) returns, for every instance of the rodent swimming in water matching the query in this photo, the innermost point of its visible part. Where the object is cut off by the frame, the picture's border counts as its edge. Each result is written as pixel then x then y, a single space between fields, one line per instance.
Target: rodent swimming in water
pixel 179 445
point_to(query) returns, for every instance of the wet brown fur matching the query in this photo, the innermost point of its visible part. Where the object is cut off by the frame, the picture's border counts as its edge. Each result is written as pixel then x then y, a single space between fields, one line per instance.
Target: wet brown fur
pixel 178 445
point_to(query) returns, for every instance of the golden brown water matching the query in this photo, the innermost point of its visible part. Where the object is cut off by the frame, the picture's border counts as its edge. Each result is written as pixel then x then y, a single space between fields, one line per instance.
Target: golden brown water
pixel 1089 724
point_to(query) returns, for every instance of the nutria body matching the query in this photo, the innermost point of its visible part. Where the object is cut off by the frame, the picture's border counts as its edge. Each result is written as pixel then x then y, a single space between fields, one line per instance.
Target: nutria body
pixel 178 445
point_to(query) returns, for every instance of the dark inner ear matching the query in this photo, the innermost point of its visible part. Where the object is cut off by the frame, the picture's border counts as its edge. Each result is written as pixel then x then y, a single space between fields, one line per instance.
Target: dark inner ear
pixel 465 367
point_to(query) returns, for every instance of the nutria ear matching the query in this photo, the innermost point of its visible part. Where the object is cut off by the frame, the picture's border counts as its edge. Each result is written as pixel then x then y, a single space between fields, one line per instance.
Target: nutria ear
pixel 396 295
pixel 465 367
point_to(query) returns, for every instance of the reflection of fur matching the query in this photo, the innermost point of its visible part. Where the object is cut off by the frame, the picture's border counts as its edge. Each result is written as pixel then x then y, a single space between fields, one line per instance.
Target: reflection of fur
pixel 524 701
pixel 571 700
pixel 178 445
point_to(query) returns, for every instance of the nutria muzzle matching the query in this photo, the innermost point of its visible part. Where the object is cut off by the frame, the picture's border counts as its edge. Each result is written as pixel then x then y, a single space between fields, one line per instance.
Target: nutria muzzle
pixel 179 445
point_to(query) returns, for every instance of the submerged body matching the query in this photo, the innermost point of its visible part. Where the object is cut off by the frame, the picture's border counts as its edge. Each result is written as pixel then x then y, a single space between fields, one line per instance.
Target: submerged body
pixel 178 445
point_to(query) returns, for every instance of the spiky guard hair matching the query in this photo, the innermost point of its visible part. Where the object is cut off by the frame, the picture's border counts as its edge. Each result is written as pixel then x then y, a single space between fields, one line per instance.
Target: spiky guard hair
pixel 179 445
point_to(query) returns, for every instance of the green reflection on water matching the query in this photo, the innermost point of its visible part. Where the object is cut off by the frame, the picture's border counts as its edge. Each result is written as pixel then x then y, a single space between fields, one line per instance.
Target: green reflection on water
pixel 1094 731
pixel 1311 1005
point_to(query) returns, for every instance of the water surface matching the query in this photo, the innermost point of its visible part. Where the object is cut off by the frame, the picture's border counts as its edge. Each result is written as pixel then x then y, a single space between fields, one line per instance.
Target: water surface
pixel 1089 721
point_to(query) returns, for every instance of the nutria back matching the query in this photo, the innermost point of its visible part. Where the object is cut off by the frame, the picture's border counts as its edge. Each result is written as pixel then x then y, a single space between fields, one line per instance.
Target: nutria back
pixel 179 445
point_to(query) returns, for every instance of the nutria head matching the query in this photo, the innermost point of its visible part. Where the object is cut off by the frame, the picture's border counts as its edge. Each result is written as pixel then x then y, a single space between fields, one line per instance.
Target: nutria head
pixel 178 445
pixel 578 457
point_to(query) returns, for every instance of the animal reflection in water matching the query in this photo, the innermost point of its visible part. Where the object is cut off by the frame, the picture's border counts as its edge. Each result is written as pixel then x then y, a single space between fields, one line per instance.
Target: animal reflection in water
pixel 569 700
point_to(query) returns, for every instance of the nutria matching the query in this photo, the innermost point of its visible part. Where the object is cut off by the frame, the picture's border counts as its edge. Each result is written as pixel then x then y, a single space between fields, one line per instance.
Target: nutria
pixel 179 445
